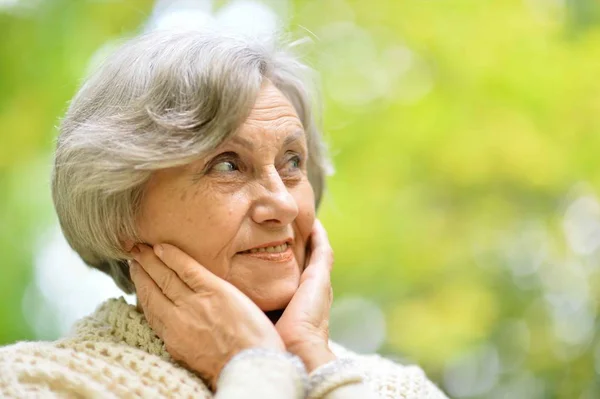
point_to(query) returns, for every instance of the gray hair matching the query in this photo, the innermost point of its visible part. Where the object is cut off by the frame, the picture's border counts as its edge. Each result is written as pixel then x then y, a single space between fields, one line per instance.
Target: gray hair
pixel 162 100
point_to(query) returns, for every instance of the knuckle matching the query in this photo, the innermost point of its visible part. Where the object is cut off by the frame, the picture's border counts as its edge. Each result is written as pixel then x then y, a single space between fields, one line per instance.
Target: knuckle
pixel 188 274
pixel 191 277
pixel 151 318
pixel 167 282
pixel 143 294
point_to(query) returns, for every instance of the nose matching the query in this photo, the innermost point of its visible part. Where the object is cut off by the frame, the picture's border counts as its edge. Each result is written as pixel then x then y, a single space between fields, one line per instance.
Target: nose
pixel 274 205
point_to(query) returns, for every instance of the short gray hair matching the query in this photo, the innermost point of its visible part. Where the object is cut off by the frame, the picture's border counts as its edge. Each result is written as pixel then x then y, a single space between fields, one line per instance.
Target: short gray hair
pixel 162 100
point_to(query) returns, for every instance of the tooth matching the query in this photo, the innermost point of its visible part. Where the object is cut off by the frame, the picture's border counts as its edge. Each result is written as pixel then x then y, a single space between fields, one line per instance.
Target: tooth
pixel 272 249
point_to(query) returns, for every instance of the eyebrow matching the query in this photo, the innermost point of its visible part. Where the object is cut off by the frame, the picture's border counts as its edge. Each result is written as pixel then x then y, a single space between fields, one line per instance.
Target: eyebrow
pixel 250 145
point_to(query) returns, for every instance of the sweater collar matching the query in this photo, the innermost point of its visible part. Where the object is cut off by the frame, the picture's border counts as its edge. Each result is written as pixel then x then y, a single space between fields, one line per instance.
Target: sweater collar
pixel 116 321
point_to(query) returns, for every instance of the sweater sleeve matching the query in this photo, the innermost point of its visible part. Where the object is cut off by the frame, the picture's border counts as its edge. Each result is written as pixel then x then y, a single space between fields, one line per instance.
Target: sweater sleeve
pixel 339 379
pixel 262 373
pixel 370 377
pixel 382 378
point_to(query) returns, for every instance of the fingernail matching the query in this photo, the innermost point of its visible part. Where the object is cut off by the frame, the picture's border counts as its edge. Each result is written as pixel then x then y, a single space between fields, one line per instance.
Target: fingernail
pixel 158 250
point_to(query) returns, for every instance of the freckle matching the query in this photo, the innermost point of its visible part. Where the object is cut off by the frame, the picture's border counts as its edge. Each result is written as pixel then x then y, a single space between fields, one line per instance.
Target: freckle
pixel 183 196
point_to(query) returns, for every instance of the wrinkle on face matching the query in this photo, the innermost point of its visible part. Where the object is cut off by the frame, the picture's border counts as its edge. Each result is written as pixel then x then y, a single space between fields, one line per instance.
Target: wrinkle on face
pixel 210 216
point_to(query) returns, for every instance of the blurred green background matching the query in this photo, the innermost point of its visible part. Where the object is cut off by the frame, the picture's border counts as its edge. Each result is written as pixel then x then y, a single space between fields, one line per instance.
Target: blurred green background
pixel 464 209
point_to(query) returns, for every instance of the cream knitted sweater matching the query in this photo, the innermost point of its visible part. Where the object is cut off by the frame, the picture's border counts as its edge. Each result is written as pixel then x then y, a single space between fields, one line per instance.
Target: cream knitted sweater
pixel 114 353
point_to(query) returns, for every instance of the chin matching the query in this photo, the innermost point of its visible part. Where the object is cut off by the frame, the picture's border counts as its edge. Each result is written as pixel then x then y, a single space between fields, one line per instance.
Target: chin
pixel 276 297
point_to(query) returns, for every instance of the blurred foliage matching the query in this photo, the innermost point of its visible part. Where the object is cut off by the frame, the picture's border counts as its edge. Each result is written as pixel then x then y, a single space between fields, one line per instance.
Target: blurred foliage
pixel 465 136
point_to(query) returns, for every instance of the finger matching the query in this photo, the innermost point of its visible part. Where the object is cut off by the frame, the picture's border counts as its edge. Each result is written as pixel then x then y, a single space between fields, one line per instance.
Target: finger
pixel 321 251
pixel 153 302
pixel 318 270
pixel 165 278
pixel 192 273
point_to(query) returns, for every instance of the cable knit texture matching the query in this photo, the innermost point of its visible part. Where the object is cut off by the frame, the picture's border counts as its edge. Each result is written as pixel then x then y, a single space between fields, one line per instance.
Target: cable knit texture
pixel 113 353
pixel 332 375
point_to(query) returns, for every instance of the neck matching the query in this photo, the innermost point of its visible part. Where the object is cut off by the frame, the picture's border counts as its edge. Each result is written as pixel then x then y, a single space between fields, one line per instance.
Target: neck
pixel 274 315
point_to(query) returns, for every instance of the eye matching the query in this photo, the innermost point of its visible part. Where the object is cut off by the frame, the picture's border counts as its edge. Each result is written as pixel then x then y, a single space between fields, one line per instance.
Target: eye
pixel 294 162
pixel 225 166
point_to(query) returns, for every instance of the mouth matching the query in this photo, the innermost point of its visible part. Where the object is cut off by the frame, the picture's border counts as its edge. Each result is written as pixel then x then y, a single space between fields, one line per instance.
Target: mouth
pixel 280 251
pixel 271 247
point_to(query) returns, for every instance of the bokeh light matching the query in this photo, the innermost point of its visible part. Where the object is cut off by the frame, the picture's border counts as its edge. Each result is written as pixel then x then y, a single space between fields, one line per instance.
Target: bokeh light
pixel 464 210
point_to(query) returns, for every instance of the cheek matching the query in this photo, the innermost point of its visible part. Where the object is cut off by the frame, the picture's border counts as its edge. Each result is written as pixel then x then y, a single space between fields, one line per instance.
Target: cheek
pixel 198 221
pixel 306 220
pixel 306 208
pixel 211 229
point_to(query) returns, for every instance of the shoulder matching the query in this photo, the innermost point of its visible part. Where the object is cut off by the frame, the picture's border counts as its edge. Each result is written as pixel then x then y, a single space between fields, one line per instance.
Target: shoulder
pixel 91 369
pixel 390 379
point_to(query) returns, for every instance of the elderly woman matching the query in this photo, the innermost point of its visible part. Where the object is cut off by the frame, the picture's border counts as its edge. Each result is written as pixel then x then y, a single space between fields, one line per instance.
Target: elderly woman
pixel 189 168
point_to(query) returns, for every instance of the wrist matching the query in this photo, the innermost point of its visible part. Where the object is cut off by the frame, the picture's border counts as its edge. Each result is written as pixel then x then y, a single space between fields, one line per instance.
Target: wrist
pixel 313 355
pixel 251 363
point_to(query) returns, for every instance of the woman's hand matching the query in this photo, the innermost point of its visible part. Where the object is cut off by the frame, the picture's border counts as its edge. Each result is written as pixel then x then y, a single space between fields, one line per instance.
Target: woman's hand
pixel 203 320
pixel 304 325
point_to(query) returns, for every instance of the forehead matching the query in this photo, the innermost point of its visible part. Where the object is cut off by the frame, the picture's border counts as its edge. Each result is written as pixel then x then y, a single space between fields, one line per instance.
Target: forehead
pixel 272 116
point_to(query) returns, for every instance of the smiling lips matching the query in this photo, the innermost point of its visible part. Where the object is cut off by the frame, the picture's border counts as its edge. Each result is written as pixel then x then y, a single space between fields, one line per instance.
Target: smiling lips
pixel 274 252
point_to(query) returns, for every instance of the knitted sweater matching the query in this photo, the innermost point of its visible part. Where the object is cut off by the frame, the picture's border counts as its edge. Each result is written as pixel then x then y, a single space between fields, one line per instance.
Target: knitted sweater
pixel 114 353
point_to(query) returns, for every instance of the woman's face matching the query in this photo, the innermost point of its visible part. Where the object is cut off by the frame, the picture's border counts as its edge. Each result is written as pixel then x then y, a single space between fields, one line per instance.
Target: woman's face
pixel 244 211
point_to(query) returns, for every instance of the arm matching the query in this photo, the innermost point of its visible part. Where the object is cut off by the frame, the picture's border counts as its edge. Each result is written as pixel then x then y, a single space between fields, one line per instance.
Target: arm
pixel 270 374
pixel 304 328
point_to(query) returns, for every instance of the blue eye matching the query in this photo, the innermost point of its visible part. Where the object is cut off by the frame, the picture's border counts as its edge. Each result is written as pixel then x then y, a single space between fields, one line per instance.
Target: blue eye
pixel 225 166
